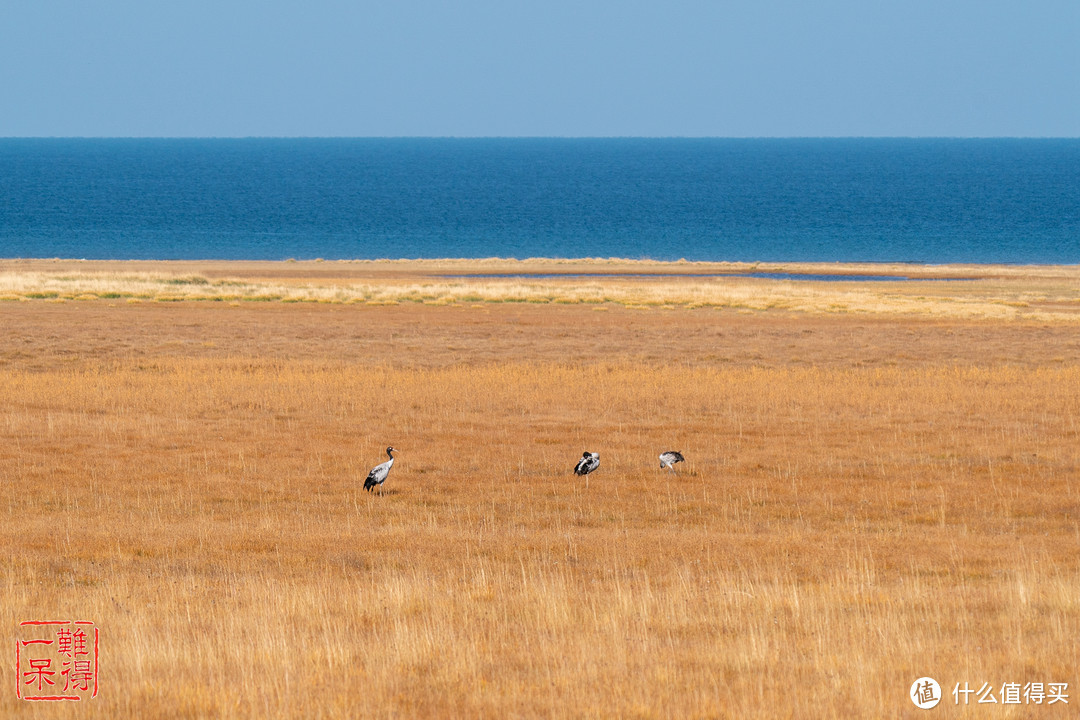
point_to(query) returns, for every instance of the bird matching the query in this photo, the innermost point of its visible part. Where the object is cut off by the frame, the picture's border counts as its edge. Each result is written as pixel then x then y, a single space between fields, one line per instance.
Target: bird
pixel 669 458
pixel 589 461
pixel 378 474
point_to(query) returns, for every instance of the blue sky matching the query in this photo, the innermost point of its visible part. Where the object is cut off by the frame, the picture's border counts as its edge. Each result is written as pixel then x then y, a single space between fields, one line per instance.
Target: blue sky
pixel 551 68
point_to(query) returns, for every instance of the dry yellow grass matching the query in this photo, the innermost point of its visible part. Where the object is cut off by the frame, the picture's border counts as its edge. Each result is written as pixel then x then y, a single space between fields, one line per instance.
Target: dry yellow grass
pixel 836 532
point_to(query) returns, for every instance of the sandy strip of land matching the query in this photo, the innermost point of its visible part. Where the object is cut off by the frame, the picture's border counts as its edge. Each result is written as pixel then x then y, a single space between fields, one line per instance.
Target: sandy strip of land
pixel 1036 294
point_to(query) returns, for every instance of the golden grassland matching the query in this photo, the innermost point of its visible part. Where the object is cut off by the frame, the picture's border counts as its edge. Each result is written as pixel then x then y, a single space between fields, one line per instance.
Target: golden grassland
pixel 866 500
pixel 1046 294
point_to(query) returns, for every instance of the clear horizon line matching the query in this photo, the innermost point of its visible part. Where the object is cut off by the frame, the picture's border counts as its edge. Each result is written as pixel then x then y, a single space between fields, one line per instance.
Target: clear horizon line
pixel 539 137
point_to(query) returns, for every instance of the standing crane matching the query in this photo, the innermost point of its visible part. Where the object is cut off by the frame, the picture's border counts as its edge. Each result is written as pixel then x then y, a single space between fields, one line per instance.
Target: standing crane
pixel 378 474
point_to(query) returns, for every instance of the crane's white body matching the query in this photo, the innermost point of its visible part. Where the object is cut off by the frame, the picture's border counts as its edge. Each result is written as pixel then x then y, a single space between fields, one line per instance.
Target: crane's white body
pixel 378 474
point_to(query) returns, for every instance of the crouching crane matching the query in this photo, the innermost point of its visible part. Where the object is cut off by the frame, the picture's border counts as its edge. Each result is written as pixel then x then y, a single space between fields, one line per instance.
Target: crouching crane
pixel 669 458
pixel 589 461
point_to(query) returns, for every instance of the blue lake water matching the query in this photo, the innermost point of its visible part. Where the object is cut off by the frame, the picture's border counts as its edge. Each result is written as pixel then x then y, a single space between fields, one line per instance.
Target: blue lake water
pixel 882 200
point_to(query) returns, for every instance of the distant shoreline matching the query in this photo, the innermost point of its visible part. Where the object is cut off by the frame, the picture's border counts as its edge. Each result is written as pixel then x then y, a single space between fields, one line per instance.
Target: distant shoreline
pixel 552 265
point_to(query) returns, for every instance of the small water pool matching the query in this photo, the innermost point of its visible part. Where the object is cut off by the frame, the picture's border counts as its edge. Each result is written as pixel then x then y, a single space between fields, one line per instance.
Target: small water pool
pixel 819 277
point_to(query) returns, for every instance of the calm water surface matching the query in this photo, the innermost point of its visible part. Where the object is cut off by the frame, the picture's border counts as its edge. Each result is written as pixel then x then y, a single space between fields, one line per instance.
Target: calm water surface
pixel 923 201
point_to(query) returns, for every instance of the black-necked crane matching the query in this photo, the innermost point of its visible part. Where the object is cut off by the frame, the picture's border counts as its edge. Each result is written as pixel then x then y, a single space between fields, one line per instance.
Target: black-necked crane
pixel 589 461
pixel 378 474
pixel 669 458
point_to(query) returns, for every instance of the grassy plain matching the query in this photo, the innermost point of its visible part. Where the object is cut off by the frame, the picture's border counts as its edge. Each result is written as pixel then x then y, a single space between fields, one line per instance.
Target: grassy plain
pixel 870 495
